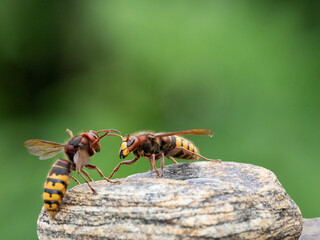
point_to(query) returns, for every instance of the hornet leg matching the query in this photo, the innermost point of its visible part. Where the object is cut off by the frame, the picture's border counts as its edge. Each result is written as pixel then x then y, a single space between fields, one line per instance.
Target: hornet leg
pixel 162 164
pixel 198 155
pixel 100 173
pixel 69 132
pixel 87 174
pixel 124 162
pixel 75 180
pixel 94 191
pixel 150 165
pixel 153 164
pixel 173 160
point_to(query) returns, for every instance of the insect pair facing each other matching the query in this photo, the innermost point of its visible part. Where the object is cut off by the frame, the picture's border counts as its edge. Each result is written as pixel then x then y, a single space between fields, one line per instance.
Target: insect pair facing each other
pixel 78 150
pixel 154 146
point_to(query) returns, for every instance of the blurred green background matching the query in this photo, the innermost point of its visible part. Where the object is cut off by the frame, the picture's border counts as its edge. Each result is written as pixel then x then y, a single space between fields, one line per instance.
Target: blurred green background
pixel 247 70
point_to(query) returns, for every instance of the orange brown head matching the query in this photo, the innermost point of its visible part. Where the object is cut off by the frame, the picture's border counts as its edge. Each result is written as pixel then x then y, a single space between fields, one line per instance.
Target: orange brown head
pixel 93 138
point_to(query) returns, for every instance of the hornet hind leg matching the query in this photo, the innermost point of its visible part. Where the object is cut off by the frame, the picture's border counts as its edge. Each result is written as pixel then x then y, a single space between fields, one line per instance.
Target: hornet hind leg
pixel 173 160
pixel 186 151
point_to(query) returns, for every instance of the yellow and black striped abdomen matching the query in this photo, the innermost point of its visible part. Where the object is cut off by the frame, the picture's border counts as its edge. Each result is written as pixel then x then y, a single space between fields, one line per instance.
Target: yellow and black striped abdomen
pixel 56 185
pixel 178 144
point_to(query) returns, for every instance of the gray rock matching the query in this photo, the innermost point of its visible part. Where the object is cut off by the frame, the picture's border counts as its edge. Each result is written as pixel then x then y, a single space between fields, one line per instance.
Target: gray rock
pixel 198 200
pixel 311 229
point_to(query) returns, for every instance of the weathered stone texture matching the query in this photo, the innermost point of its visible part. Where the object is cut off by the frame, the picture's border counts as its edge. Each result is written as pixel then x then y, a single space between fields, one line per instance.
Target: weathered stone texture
pixel 198 200
pixel 311 229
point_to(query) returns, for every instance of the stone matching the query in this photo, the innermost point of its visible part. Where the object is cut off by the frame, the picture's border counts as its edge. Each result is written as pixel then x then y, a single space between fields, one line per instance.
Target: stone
pixel 196 200
pixel 311 229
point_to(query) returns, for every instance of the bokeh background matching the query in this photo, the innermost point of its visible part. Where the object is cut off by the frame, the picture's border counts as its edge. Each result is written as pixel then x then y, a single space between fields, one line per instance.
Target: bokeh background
pixel 247 70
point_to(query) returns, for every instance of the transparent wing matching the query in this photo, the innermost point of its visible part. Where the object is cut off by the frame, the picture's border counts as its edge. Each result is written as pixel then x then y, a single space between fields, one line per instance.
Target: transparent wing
pixel 204 132
pixel 81 158
pixel 43 149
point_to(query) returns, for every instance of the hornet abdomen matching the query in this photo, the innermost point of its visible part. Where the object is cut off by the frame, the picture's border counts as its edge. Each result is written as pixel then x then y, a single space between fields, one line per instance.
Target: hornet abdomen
pixel 56 185
pixel 174 146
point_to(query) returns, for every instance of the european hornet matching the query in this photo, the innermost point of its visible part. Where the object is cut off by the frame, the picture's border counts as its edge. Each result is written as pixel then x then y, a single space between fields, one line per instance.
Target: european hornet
pixel 154 146
pixel 78 150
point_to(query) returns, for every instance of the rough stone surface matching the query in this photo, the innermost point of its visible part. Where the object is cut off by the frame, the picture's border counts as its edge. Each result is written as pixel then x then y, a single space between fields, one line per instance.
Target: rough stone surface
pixel 198 200
pixel 311 229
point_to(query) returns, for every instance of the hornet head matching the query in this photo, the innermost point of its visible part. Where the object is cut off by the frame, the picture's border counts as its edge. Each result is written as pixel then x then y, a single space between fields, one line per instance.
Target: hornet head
pixel 92 138
pixel 129 144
